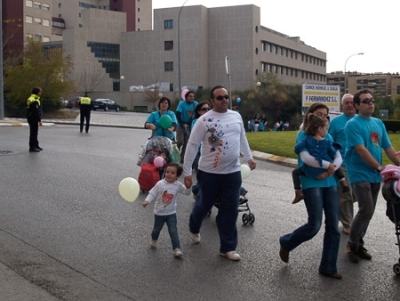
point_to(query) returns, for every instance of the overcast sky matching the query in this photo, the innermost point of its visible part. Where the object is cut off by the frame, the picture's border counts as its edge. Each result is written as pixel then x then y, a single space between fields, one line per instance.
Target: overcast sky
pixel 340 28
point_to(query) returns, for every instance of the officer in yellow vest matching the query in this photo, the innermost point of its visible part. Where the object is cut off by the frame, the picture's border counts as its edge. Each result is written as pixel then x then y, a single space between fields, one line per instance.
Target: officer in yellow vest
pixel 34 115
pixel 85 104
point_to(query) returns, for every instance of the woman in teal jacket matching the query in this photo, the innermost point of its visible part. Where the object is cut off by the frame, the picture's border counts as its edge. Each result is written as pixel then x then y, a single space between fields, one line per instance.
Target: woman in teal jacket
pixel 153 121
pixel 320 196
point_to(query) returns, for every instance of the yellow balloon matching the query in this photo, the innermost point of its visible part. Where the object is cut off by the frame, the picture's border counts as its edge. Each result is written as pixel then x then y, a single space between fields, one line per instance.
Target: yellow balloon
pixel 245 171
pixel 129 189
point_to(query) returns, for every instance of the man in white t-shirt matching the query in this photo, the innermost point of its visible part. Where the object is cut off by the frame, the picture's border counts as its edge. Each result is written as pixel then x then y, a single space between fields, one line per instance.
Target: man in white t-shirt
pixel 221 133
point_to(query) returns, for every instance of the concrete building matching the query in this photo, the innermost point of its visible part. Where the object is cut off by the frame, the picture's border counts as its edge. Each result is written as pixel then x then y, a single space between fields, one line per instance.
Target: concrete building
pixel 113 46
pixel 381 84
pixel 206 37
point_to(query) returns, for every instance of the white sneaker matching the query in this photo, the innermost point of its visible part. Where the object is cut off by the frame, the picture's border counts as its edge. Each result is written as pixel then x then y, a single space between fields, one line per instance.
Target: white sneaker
pixel 232 255
pixel 153 244
pixel 195 237
pixel 177 252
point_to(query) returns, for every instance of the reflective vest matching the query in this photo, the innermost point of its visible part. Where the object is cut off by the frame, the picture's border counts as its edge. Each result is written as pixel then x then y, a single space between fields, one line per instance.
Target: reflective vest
pixel 32 99
pixel 85 101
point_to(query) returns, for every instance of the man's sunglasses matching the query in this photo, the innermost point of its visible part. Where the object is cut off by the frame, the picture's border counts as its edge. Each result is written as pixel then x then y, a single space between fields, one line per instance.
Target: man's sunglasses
pixel 222 97
pixel 367 101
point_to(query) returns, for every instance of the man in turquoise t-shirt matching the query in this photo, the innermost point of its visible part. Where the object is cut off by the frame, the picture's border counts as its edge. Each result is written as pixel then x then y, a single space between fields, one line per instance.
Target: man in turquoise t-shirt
pixel 366 137
pixel 184 114
pixel 336 130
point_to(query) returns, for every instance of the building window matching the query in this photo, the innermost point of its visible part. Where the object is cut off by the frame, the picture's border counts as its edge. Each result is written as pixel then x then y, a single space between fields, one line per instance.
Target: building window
pixel 59 5
pixel 46 22
pixel 108 55
pixel 138 20
pixel 282 51
pixel 138 9
pixel 287 52
pixel 37 37
pixel 38 21
pixel 28 36
pixel 169 66
pixel 46 7
pixel 168 45
pixel 28 19
pixel 269 48
pixel 29 3
pixel 58 24
pixel 45 39
pixel 168 24
pixel 37 5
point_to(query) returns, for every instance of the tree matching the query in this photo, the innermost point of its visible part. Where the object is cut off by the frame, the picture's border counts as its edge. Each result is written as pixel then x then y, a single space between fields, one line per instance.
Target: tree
pixel 90 78
pixel 152 95
pixel 34 67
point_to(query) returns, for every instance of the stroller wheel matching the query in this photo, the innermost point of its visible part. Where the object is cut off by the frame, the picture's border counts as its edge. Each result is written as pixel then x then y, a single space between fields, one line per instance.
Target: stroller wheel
pixel 252 218
pixel 396 269
pixel 245 218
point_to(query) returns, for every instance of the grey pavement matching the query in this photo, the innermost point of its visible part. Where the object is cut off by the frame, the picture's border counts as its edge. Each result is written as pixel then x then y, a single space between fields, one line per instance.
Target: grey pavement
pixel 14 287
pixel 130 120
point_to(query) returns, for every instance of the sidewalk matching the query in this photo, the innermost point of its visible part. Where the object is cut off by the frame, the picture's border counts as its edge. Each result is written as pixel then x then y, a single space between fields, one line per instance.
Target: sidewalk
pixel 14 287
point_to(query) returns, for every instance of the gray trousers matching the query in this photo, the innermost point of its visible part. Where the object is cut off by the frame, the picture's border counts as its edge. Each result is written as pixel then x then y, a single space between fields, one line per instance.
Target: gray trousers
pixel 366 195
pixel 346 203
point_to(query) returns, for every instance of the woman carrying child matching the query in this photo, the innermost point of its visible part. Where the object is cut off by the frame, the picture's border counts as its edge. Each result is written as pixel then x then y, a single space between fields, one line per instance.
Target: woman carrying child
pixel 320 196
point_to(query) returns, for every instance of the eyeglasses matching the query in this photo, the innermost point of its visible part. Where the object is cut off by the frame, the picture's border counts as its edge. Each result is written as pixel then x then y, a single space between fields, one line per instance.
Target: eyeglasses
pixel 204 109
pixel 222 97
pixel 367 101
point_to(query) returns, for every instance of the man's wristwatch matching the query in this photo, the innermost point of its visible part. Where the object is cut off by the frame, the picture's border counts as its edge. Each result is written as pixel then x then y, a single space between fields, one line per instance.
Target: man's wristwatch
pixel 379 168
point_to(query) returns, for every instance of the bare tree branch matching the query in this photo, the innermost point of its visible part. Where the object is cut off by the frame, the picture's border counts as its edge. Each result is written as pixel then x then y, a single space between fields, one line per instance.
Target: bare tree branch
pixel 90 79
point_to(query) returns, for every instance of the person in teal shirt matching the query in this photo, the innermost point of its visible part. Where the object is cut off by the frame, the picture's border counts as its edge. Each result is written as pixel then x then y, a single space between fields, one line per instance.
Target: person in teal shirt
pixel 184 115
pixel 320 196
pixel 366 136
pixel 153 121
pixel 336 130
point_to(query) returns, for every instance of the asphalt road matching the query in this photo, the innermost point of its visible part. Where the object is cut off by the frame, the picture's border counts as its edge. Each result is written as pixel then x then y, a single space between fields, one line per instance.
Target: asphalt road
pixel 64 227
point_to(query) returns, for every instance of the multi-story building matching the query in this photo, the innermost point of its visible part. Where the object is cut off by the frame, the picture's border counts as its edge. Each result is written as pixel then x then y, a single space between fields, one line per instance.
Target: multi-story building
pixel 381 84
pixel 186 48
pixel 23 20
pixel 195 46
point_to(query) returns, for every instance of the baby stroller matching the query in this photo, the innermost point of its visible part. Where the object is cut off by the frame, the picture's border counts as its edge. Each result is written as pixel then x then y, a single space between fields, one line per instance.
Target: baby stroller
pixel 247 218
pixel 149 173
pixel 391 193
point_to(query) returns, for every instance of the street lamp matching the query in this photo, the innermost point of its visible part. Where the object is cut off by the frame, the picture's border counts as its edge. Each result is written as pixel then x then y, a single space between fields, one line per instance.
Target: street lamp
pixel 179 47
pixel 121 78
pixel 345 77
pixel 228 71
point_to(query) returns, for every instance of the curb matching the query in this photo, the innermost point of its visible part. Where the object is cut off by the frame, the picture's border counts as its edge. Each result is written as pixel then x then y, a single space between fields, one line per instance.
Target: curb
pixel 275 159
pixel 13 123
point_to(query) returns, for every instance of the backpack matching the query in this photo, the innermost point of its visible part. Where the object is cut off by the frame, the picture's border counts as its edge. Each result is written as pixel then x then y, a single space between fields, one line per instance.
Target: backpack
pixel 148 177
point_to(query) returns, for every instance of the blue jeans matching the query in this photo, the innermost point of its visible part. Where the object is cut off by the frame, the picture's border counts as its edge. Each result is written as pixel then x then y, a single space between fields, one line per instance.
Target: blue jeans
pixel 366 195
pixel 317 200
pixel 171 221
pixel 225 188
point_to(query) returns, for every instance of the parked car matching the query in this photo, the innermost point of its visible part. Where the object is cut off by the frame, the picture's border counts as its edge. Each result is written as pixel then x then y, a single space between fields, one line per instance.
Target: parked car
pixel 105 104
pixel 73 102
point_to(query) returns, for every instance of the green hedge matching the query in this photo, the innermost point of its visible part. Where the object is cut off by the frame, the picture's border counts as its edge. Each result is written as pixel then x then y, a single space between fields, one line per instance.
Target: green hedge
pixel 392 125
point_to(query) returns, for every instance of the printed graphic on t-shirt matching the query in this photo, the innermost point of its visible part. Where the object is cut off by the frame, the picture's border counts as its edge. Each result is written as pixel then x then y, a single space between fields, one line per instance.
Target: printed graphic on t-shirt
pixel 167 198
pixel 375 138
pixel 216 139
